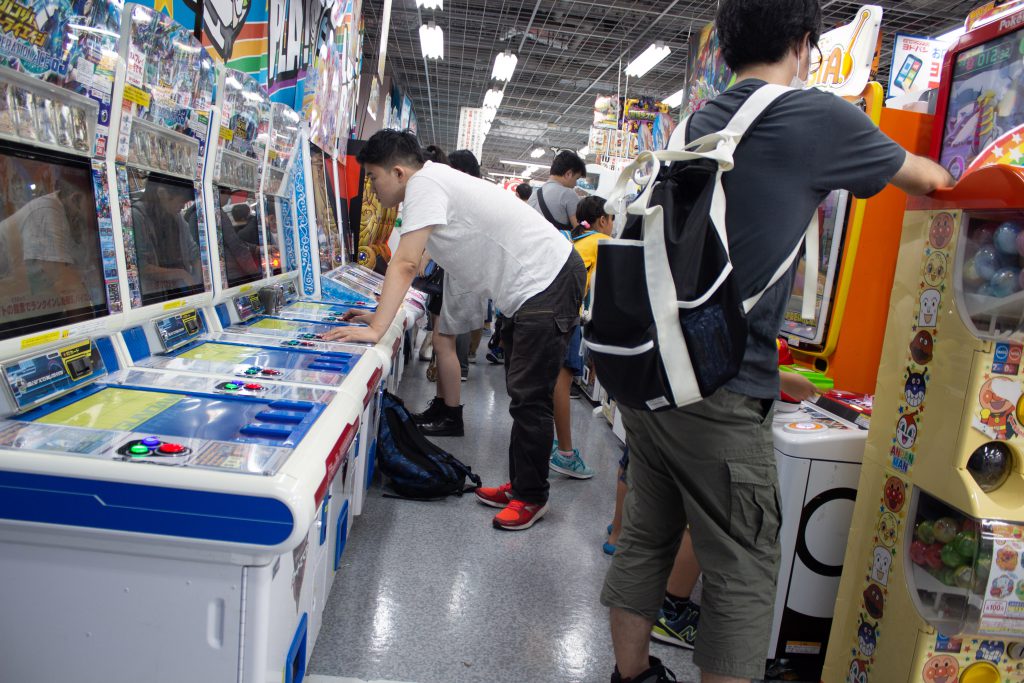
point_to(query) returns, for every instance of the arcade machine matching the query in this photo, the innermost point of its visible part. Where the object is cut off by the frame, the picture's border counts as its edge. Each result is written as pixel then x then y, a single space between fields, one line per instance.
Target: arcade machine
pixel 130 493
pixel 820 445
pixel 933 584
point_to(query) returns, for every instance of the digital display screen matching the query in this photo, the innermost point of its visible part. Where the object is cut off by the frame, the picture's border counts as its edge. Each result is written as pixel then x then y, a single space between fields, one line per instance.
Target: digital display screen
pixel 277 245
pixel 238 229
pixel 832 227
pixel 985 112
pixel 51 270
pixel 328 233
pixel 166 233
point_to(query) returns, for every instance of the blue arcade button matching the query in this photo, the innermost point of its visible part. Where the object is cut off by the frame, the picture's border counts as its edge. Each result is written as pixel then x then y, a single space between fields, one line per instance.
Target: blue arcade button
pixel 151 442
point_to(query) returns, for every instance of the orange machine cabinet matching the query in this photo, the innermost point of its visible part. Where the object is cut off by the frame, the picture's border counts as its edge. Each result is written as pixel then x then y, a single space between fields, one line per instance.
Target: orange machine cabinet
pixel 855 277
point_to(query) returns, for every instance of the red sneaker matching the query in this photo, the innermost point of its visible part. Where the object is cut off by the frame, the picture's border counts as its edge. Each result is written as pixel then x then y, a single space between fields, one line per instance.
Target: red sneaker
pixel 519 515
pixel 495 496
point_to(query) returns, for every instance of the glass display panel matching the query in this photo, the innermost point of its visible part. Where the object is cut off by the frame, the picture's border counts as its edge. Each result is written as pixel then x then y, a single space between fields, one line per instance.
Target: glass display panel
pixel 277 245
pixel 166 234
pixel 984 103
pixel 988 277
pixel 238 229
pixel 832 221
pixel 51 271
pixel 328 234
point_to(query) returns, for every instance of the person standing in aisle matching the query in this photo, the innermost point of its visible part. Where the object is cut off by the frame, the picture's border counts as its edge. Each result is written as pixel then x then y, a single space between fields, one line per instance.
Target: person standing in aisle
pixel 711 464
pixel 492 243
pixel 557 198
pixel 459 313
pixel 592 226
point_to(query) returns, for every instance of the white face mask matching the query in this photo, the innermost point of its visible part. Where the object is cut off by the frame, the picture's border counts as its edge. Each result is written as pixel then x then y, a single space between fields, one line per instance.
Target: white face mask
pixel 801 83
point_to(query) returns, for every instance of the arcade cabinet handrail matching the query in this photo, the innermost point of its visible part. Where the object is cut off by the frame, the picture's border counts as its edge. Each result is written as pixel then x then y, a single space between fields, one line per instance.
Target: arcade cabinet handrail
pixel 997 186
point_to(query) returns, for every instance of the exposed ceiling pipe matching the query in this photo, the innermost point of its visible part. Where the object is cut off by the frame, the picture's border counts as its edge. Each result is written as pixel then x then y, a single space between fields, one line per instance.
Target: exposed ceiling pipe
pixel 529 25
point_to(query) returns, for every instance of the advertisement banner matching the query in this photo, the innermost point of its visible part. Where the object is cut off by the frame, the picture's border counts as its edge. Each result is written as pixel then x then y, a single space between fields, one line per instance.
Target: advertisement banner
pixel 916 65
pixel 471 130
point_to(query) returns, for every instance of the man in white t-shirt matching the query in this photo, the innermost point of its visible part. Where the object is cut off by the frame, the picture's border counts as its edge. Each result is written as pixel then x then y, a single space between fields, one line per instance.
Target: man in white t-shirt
pixel 493 244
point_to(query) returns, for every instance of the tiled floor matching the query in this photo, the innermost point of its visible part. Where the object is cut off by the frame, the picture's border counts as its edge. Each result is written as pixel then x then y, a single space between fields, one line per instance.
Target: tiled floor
pixel 431 593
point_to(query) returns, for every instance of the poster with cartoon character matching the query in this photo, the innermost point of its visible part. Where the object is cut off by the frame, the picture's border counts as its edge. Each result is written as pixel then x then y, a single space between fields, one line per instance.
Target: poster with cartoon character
pixel 997 401
pixel 1003 608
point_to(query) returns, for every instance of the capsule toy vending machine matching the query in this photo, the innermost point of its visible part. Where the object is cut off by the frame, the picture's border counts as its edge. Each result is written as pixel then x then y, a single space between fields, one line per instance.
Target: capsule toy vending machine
pixel 932 586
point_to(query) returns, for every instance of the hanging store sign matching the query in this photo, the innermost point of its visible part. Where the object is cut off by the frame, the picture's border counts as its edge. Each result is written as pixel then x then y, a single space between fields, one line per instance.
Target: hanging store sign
pixel 848 54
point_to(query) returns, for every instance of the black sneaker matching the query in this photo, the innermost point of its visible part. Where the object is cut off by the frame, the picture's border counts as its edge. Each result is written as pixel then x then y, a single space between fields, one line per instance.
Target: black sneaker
pixel 432 411
pixel 657 673
pixel 496 356
pixel 679 630
pixel 575 391
pixel 446 423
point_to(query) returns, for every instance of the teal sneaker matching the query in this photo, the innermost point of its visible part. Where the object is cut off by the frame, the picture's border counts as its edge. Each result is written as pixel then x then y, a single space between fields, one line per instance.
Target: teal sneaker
pixel 571 467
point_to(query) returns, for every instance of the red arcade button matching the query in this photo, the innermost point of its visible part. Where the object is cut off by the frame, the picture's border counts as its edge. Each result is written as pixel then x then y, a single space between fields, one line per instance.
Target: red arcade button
pixel 270 372
pixel 170 449
pixel 252 386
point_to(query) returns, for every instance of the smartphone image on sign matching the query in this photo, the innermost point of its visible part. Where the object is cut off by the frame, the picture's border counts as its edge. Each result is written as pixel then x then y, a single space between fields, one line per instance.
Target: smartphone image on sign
pixel 908 72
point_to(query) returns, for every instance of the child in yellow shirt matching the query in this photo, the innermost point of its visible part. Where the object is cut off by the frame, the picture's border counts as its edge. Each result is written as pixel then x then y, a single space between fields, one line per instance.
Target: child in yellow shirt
pixel 593 225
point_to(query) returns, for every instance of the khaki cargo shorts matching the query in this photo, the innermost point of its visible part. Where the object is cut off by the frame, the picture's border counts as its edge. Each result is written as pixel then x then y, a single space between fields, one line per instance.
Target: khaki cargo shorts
pixel 711 466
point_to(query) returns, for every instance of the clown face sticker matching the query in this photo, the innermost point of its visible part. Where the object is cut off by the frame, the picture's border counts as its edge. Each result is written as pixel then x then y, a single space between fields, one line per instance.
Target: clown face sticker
pixel 906 431
pixel 940 669
pixel 997 401
pixel 941 231
pixel 935 269
pixel 928 313
pixel 858 672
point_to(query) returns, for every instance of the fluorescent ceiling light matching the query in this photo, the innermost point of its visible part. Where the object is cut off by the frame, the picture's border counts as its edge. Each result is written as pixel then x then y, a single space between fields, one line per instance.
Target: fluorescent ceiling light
pixel 432 41
pixel 537 153
pixel 493 98
pixel 584 150
pixel 518 163
pixel 430 4
pixel 647 60
pixel 504 65
pixel 675 99
pixel 488 114
pixel 951 36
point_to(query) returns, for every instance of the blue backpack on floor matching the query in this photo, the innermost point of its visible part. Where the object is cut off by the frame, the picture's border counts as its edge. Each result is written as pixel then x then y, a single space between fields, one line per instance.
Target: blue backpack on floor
pixel 412 466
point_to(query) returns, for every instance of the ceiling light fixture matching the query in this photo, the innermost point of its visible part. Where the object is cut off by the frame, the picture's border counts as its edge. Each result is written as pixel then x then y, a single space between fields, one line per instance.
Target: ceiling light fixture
pixel 537 153
pixel 430 4
pixel 504 65
pixel 432 41
pixel 647 60
pixel 493 98
pixel 488 114
pixel 951 36
pixel 518 163
pixel 675 99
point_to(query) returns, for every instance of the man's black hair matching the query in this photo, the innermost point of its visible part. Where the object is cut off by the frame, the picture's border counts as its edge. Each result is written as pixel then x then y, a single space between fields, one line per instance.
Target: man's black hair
pixel 435 154
pixel 389 147
pixel 763 31
pixel 465 161
pixel 566 161
pixel 524 190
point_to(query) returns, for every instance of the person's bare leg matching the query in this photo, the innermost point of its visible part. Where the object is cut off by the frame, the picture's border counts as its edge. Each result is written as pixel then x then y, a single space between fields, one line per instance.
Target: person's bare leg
pixel 631 638
pixel 620 497
pixel 563 416
pixel 685 570
pixel 449 379
pixel 706 677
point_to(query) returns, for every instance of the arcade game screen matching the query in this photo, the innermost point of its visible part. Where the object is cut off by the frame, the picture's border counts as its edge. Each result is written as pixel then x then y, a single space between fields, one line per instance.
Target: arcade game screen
pixel 166 233
pixel 328 234
pixel 51 270
pixel 238 227
pixel 273 208
pixel 832 222
pixel 985 112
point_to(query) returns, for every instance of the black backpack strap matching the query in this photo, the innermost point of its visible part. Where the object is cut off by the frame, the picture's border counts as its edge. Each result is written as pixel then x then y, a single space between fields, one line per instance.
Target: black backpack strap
pixel 547 214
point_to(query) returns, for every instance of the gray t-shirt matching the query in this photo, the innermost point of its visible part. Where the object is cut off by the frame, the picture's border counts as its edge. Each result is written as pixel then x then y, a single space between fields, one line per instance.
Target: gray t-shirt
pixel 560 200
pixel 805 145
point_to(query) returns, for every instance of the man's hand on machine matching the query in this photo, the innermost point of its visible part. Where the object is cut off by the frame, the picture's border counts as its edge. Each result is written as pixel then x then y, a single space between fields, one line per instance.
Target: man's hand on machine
pixel 353 315
pixel 354 334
